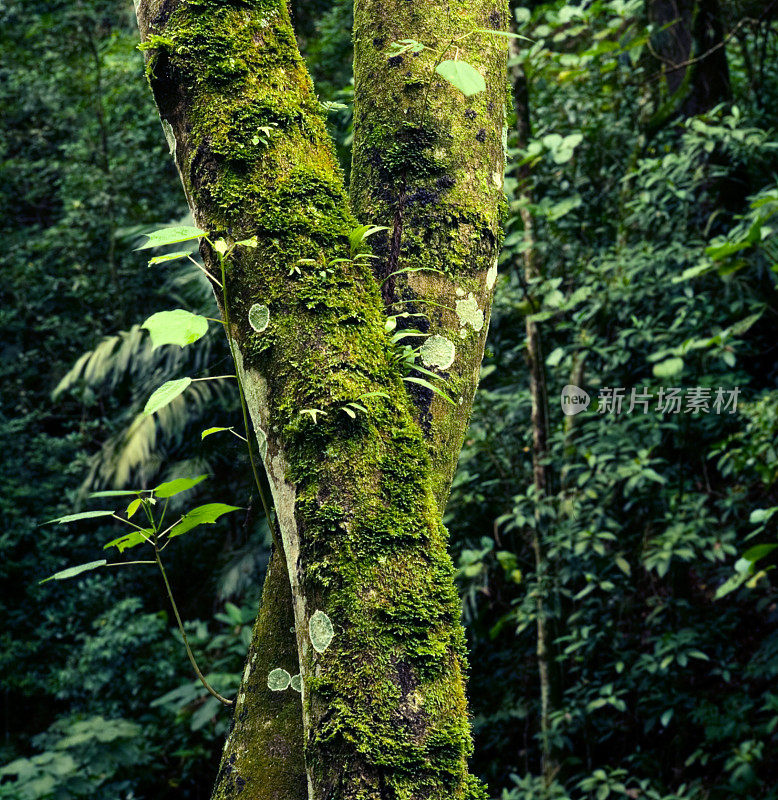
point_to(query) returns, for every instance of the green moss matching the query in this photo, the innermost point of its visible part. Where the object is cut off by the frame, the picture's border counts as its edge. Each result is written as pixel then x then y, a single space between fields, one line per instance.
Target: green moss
pixel 276 770
pixel 386 697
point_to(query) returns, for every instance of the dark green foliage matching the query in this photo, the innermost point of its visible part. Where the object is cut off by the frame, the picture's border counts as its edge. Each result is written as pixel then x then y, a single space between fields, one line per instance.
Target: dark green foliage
pixel 84 169
pixel 653 233
pixel 658 690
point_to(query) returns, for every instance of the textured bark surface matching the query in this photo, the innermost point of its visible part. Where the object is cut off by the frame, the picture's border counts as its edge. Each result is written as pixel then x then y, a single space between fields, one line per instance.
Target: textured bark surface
pixel 384 708
pixel 428 163
pixel 276 769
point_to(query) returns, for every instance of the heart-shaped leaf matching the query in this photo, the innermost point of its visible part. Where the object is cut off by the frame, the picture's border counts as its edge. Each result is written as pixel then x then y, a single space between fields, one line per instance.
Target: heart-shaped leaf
pixel 179 327
pixel 463 76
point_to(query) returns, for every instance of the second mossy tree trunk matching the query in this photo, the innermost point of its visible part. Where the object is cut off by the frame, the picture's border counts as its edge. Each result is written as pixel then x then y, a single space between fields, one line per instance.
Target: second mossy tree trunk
pixel 376 614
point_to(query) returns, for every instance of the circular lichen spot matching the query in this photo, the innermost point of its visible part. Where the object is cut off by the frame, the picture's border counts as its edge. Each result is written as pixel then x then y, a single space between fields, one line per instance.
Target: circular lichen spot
pixel 297 682
pixel 438 352
pixel 469 313
pixel 278 680
pixel 259 317
pixel 321 631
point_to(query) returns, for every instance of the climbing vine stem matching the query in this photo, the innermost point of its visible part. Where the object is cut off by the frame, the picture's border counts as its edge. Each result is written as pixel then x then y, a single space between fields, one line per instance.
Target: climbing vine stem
pixel 189 652
pixel 225 300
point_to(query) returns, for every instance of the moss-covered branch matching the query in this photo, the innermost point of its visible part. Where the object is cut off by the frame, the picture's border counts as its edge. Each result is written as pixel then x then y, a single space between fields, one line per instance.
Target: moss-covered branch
pixel 428 163
pixel 384 708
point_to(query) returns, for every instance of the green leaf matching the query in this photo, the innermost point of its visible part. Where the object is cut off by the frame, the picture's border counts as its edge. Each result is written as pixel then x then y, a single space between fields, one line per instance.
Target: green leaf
pixel 505 33
pixel 278 680
pixel 428 385
pixel 699 655
pixel 759 515
pixel 522 15
pixel 373 394
pixel 168 257
pixel 165 394
pixel 321 631
pixel 758 552
pixel 201 515
pixel 744 567
pixel 234 613
pixel 115 493
pixel 692 272
pixel 717 252
pixel 163 236
pixel 179 327
pixel 133 507
pixel 130 540
pixel 623 565
pixel 462 76
pixel 668 368
pixel 71 572
pixel 732 583
pixel 209 431
pixel 174 487
pixel 358 235
pixel 80 515
pixel 555 357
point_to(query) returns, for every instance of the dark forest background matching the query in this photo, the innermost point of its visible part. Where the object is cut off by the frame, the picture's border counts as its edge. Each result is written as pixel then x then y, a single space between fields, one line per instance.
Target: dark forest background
pixel 640 247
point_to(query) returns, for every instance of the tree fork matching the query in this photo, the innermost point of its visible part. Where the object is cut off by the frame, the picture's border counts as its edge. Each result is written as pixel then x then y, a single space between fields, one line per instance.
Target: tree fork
pixel 384 709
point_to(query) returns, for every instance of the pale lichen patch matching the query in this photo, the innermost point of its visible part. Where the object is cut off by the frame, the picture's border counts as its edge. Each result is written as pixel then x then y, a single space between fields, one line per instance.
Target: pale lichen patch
pixel 259 317
pixel 438 351
pixel 261 442
pixel 278 680
pixel 491 276
pixel 170 137
pixel 469 313
pixel 321 631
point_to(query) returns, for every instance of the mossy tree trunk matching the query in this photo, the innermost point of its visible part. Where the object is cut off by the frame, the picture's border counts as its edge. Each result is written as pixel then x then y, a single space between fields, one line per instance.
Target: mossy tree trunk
pixel 357 497
pixel 428 163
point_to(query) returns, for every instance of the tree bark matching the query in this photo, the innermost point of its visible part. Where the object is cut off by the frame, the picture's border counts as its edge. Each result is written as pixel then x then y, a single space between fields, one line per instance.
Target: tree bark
pixel 383 706
pixel 428 163
pixel 532 271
